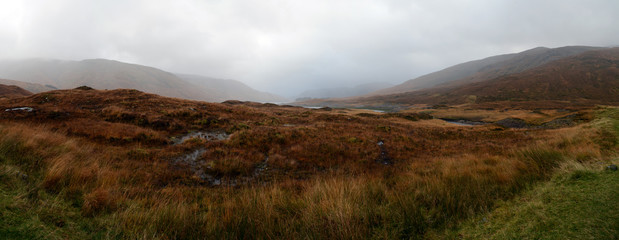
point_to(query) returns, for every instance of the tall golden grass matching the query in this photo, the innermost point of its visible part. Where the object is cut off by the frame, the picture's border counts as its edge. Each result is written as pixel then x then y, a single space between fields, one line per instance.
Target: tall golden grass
pixel 323 182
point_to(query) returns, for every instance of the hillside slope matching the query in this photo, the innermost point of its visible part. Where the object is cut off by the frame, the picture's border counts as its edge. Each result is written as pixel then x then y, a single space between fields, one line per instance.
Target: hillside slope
pixel 344 91
pixel 592 76
pixel 108 74
pixel 12 91
pixel 487 68
pixel 123 164
pixel 31 87
pixel 586 79
pixel 227 89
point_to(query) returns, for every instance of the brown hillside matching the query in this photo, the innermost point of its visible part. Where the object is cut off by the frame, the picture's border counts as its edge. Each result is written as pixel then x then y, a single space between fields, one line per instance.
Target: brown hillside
pixel 521 62
pixel 11 91
pixel 307 139
pixel 31 87
pixel 592 76
pixel 588 78
pixel 117 160
pixel 487 69
pixel 110 74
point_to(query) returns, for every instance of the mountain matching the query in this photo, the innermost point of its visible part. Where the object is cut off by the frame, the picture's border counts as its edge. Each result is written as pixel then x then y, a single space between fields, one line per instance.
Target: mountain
pixel 344 91
pixel 109 74
pixel 487 68
pixel 31 87
pixel 591 77
pixel 226 89
pixel 12 91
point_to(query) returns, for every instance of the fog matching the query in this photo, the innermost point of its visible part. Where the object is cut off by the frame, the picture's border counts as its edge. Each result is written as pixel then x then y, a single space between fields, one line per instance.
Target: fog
pixel 286 47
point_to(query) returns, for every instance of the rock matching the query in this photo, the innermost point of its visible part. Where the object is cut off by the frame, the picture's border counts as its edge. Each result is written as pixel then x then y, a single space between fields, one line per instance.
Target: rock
pixel 512 123
pixel 612 167
pixel 383 158
pixel 23 176
pixel 463 122
pixel 208 136
pixel 27 109
pixel 86 88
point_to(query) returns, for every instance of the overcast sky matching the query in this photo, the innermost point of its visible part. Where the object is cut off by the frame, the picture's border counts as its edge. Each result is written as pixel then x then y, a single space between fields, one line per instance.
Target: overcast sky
pixel 286 47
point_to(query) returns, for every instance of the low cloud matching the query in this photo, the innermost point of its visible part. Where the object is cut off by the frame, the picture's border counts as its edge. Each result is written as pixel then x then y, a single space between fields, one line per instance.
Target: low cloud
pixel 289 46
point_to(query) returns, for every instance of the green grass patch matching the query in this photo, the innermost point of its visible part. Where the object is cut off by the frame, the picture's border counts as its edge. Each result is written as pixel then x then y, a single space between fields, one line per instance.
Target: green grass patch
pixel 581 204
pixel 607 123
pixel 542 159
pixel 29 212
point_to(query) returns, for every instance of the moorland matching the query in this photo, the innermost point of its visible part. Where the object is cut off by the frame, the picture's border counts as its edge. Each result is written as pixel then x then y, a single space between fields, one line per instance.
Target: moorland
pixel 85 163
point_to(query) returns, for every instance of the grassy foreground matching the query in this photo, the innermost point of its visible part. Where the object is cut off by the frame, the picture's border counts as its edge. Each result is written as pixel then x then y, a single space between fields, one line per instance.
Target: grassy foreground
pixel 26 212
pixel 578 204
pixel 55 185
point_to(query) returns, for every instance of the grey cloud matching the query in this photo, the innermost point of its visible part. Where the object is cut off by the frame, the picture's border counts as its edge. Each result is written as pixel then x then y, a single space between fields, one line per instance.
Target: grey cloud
pixel 289 46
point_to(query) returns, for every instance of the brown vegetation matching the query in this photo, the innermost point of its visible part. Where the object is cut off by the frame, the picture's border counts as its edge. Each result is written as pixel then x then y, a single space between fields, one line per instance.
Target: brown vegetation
pixel 487 68
pixel 30 87
pixel 581 81
pixel 12 91
pixel 284 172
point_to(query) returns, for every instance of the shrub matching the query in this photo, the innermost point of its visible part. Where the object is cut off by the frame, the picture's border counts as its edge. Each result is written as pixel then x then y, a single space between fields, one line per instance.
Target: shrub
pixel 238 127
pixel 99 200
pixel 541 160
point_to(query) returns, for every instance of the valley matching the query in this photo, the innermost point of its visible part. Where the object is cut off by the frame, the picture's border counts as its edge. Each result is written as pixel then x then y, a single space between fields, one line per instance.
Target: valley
pixel 584 79
pixel 127 164
pixel 40 75
pixel 88 163
pixel 309 120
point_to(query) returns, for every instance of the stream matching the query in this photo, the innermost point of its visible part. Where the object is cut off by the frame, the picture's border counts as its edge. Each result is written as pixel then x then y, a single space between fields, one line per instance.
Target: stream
pixel 208 136
pixel 463 122
pixel 199 166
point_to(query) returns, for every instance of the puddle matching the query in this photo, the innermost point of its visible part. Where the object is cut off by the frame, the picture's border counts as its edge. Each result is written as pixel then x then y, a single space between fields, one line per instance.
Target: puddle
pixel 463 122
pixel 192 160
pixel 460 123
pixel 27 109
pixel 208 136
pixel 259 170
pixel 200 169
pixel 383 158
pixel 261 167
pixel 373 110
pixel 196 166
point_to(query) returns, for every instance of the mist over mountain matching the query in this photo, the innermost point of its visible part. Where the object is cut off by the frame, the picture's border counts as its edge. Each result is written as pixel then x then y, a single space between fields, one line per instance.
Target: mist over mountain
pixel 12 91
pixel 591 76
pixel 560 75
pixel 109 74
pixel 31 87
pixel 227 89
pixel 487 68
pixel 341 92
pixel 414 119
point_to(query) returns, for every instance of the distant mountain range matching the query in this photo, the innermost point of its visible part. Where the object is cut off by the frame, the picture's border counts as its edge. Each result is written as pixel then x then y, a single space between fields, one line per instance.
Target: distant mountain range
pixel 487 68
pixel 109 74
pixel 12 91
pixel 31 87
pixel 226 89
pixel 344 91
pixel 573 73
pixel 579 74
